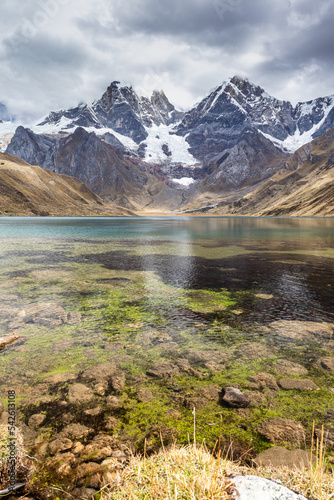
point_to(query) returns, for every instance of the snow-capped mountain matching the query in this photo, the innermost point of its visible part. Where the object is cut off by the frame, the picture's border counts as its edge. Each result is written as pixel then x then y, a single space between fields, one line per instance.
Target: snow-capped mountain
pixel 235 138
pixel 221 118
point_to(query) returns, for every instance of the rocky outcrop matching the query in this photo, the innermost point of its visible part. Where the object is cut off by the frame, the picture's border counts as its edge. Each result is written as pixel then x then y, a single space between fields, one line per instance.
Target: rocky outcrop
pixel 117 177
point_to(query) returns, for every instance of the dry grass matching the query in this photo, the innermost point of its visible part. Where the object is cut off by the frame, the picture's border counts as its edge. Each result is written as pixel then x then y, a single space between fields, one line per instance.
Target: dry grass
pixel 192 473
pixel 189 472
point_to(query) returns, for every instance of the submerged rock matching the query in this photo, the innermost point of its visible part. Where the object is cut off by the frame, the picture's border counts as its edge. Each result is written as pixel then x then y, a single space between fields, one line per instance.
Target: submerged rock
pixel 285 367
pixel 144 395
pixel 301 330
pixel 100 372
pixel 277 430
pixel 326 363
pixel 118 382
pixel 298 384
pixel 101 447
pixel 264 380
pixel 163 370
pixel 8 340
pixel 60 377
pixel 79 393
pixel 36 420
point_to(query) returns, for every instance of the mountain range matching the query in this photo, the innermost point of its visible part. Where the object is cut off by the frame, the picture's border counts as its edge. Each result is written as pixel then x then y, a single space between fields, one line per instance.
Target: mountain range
pixel 143 154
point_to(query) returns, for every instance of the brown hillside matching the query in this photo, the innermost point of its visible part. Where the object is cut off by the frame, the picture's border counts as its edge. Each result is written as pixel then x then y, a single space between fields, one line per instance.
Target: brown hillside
pixel 30 190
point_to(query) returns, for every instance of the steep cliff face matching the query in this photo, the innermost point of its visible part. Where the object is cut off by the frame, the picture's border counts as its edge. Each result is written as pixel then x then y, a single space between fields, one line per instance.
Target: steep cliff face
pixel 108 171
pixel 304 186
pixel 221 118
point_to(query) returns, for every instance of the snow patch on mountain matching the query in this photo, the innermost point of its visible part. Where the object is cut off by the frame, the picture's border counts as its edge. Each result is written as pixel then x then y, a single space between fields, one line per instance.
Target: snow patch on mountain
pixel 296 141
pixel 161 138
pixel 184 181
pixel 7 131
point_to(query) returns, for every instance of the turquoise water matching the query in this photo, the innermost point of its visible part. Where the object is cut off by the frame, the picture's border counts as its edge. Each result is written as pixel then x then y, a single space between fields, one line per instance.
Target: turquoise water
pixel 199 276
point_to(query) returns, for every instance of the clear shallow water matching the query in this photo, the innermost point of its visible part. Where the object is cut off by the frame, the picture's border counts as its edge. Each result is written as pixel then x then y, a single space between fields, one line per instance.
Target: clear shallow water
pixel 196 280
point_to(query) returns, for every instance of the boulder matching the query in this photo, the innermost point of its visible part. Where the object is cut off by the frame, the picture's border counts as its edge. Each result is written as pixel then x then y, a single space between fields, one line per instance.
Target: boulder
pixel 235 398
pixel 277 430
pixel 80 394
pixel 298 384
pixel 257 488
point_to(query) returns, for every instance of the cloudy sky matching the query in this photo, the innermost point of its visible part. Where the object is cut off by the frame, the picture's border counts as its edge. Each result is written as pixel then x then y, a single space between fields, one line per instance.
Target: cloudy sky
pixel 56 53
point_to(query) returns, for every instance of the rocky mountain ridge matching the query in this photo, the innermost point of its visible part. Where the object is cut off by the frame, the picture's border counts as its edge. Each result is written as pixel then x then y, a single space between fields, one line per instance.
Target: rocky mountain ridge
pixel 234 140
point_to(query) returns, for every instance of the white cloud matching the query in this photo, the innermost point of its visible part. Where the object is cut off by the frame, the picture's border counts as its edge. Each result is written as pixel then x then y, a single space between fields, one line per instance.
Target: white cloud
pixel 56 53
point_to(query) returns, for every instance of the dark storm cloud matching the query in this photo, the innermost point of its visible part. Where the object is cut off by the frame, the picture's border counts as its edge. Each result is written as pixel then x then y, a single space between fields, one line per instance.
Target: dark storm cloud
pixel 70 50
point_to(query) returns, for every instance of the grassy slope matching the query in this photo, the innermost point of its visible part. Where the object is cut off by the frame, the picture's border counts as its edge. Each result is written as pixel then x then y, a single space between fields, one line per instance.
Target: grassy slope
pixel 30 190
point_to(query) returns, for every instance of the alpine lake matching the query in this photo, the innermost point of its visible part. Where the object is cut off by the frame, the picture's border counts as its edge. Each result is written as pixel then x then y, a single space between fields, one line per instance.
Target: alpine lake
pixel 151 317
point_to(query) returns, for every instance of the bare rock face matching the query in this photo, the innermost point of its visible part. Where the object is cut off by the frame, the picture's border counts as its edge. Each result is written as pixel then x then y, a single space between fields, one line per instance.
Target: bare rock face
pixel 298 384
pixel 235 398
pixel 277 430
pixel 278 456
